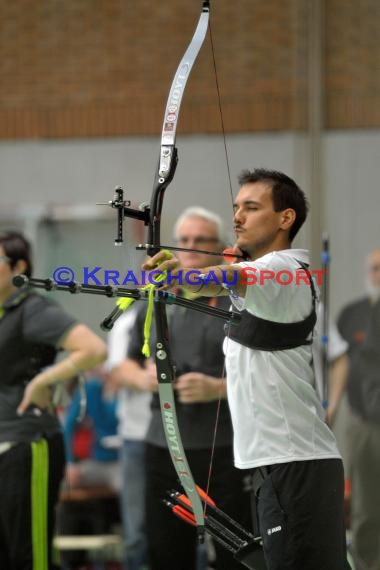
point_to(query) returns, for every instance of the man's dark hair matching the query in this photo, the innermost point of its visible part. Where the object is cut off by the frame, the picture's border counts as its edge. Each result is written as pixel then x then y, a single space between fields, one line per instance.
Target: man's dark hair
pixel 17 247
pixel 285 194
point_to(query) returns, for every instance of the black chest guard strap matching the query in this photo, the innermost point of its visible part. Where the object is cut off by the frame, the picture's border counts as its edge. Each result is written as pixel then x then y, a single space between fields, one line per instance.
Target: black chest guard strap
pixel 261 334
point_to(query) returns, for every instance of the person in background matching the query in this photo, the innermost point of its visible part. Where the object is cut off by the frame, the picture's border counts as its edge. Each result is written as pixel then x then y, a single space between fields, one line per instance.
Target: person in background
pixel 196 348
pixel 102 466
pixel 363 433
pixel 32 330
pixel 133 413
pixel 93 468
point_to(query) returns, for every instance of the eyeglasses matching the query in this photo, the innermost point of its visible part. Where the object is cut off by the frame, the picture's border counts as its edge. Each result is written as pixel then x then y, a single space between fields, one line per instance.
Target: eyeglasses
pixel 197 240
pixel 4 259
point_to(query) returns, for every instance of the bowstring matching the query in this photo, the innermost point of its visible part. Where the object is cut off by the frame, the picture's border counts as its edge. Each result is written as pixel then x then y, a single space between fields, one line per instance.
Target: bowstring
pixel 227 159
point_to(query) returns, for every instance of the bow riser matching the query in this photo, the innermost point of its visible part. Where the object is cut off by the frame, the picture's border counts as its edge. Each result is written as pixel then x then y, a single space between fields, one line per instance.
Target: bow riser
pixel 165 171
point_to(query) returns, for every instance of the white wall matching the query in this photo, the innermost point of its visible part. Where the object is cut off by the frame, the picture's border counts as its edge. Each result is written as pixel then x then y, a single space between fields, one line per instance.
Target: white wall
pixel 35 174
pixel 86 171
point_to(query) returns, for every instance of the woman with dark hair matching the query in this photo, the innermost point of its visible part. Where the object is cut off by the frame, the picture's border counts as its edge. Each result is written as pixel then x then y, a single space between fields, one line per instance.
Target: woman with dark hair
pixel 32 330
pixel 17 248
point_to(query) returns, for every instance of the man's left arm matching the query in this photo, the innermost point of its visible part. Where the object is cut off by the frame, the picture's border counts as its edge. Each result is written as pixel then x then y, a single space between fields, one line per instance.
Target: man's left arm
pixel 208 281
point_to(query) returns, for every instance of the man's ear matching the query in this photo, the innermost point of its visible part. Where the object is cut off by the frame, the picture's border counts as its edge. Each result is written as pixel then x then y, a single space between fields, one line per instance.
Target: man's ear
pixel 20 267
pixel 288 217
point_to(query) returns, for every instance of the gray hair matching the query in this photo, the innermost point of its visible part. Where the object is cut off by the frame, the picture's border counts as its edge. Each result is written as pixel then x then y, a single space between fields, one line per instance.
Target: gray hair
pixel 199 212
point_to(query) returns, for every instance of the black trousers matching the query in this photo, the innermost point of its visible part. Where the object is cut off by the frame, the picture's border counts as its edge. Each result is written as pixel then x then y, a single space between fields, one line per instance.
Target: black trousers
pixel 300 516
pixel 172 542
pixel 29 492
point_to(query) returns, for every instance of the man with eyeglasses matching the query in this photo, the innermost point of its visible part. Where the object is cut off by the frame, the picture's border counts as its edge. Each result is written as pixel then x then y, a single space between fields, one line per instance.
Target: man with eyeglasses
pixel 196 341
pixel 363 434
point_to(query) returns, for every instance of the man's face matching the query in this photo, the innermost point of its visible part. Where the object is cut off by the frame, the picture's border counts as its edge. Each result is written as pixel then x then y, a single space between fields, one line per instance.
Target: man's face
pixel 198 233
pixel 373 270
pixel 256 223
